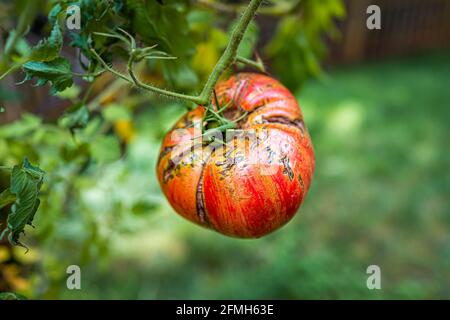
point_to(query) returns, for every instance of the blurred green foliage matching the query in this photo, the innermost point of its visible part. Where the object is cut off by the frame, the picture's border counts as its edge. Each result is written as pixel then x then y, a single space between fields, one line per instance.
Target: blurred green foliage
pixel 298 47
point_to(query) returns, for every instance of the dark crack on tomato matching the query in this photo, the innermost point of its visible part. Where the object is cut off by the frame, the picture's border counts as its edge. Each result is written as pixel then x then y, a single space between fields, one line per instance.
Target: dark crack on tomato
pixel 287 167
pixel 167 174
pixel 199 199
pixel 297 123
pixel 173 167
pixel 270 154
pixel 176 161
pixel 302 185
pixel 165 152
pixel 229 163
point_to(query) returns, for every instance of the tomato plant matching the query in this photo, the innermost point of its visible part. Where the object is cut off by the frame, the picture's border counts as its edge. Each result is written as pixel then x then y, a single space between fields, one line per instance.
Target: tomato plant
pixel 154 40
pixel 76 103
pixel 252 183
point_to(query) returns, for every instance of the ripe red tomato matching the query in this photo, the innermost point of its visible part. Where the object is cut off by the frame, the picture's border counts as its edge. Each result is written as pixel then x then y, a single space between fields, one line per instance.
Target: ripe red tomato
pixel 248 185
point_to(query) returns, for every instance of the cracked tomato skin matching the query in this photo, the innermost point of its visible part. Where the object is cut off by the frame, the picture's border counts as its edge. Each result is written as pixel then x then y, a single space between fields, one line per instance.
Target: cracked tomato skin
pixel 244 189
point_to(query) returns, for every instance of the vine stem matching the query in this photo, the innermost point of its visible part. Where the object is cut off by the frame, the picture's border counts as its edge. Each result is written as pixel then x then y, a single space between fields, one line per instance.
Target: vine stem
pixel 226 60
pixel 280 9
pixel 135 81
pixel 230 53
pixel 255 64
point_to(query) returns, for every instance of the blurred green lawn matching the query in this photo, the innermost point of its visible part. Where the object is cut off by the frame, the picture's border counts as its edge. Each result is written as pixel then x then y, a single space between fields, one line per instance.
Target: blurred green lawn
pixel 380 196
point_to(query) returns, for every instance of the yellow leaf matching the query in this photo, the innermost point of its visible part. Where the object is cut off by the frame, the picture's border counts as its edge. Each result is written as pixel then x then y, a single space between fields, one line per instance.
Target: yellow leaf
pixel 4 254
pixel 11 273
pixel 124 130
pixel 205 58
pixel 30 257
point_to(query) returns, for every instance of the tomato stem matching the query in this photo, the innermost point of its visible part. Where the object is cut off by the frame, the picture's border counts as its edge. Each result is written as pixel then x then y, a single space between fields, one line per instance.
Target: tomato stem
pixel 230 53
pixel 255 64
pixel 280 9
pixel 225 61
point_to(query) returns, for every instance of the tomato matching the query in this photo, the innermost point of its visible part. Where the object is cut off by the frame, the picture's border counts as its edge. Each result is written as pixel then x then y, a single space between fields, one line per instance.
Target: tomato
pixel 252 183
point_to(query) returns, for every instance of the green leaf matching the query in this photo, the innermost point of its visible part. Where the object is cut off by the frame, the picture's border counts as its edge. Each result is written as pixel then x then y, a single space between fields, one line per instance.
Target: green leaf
pixel 144 23
pixel 48 49
pixel 34 171
pixel 54 12
pixel 71 92
pixel 143 207
pixel 118 5
pixel 105 149
pixel 9 40
pixel 179 74
pixel 116 112
pixel 11 296
pixel 56 71
pixel 26 182
pixel 2 109
pixel 6 197
pixel 298 45
pixel 80 41
pixel 20 128
pixel 76 117
pixel 25 189
pixel 168 27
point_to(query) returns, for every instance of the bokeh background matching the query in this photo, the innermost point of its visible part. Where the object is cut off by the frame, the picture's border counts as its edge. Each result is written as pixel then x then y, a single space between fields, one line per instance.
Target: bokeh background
pixel 377 108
